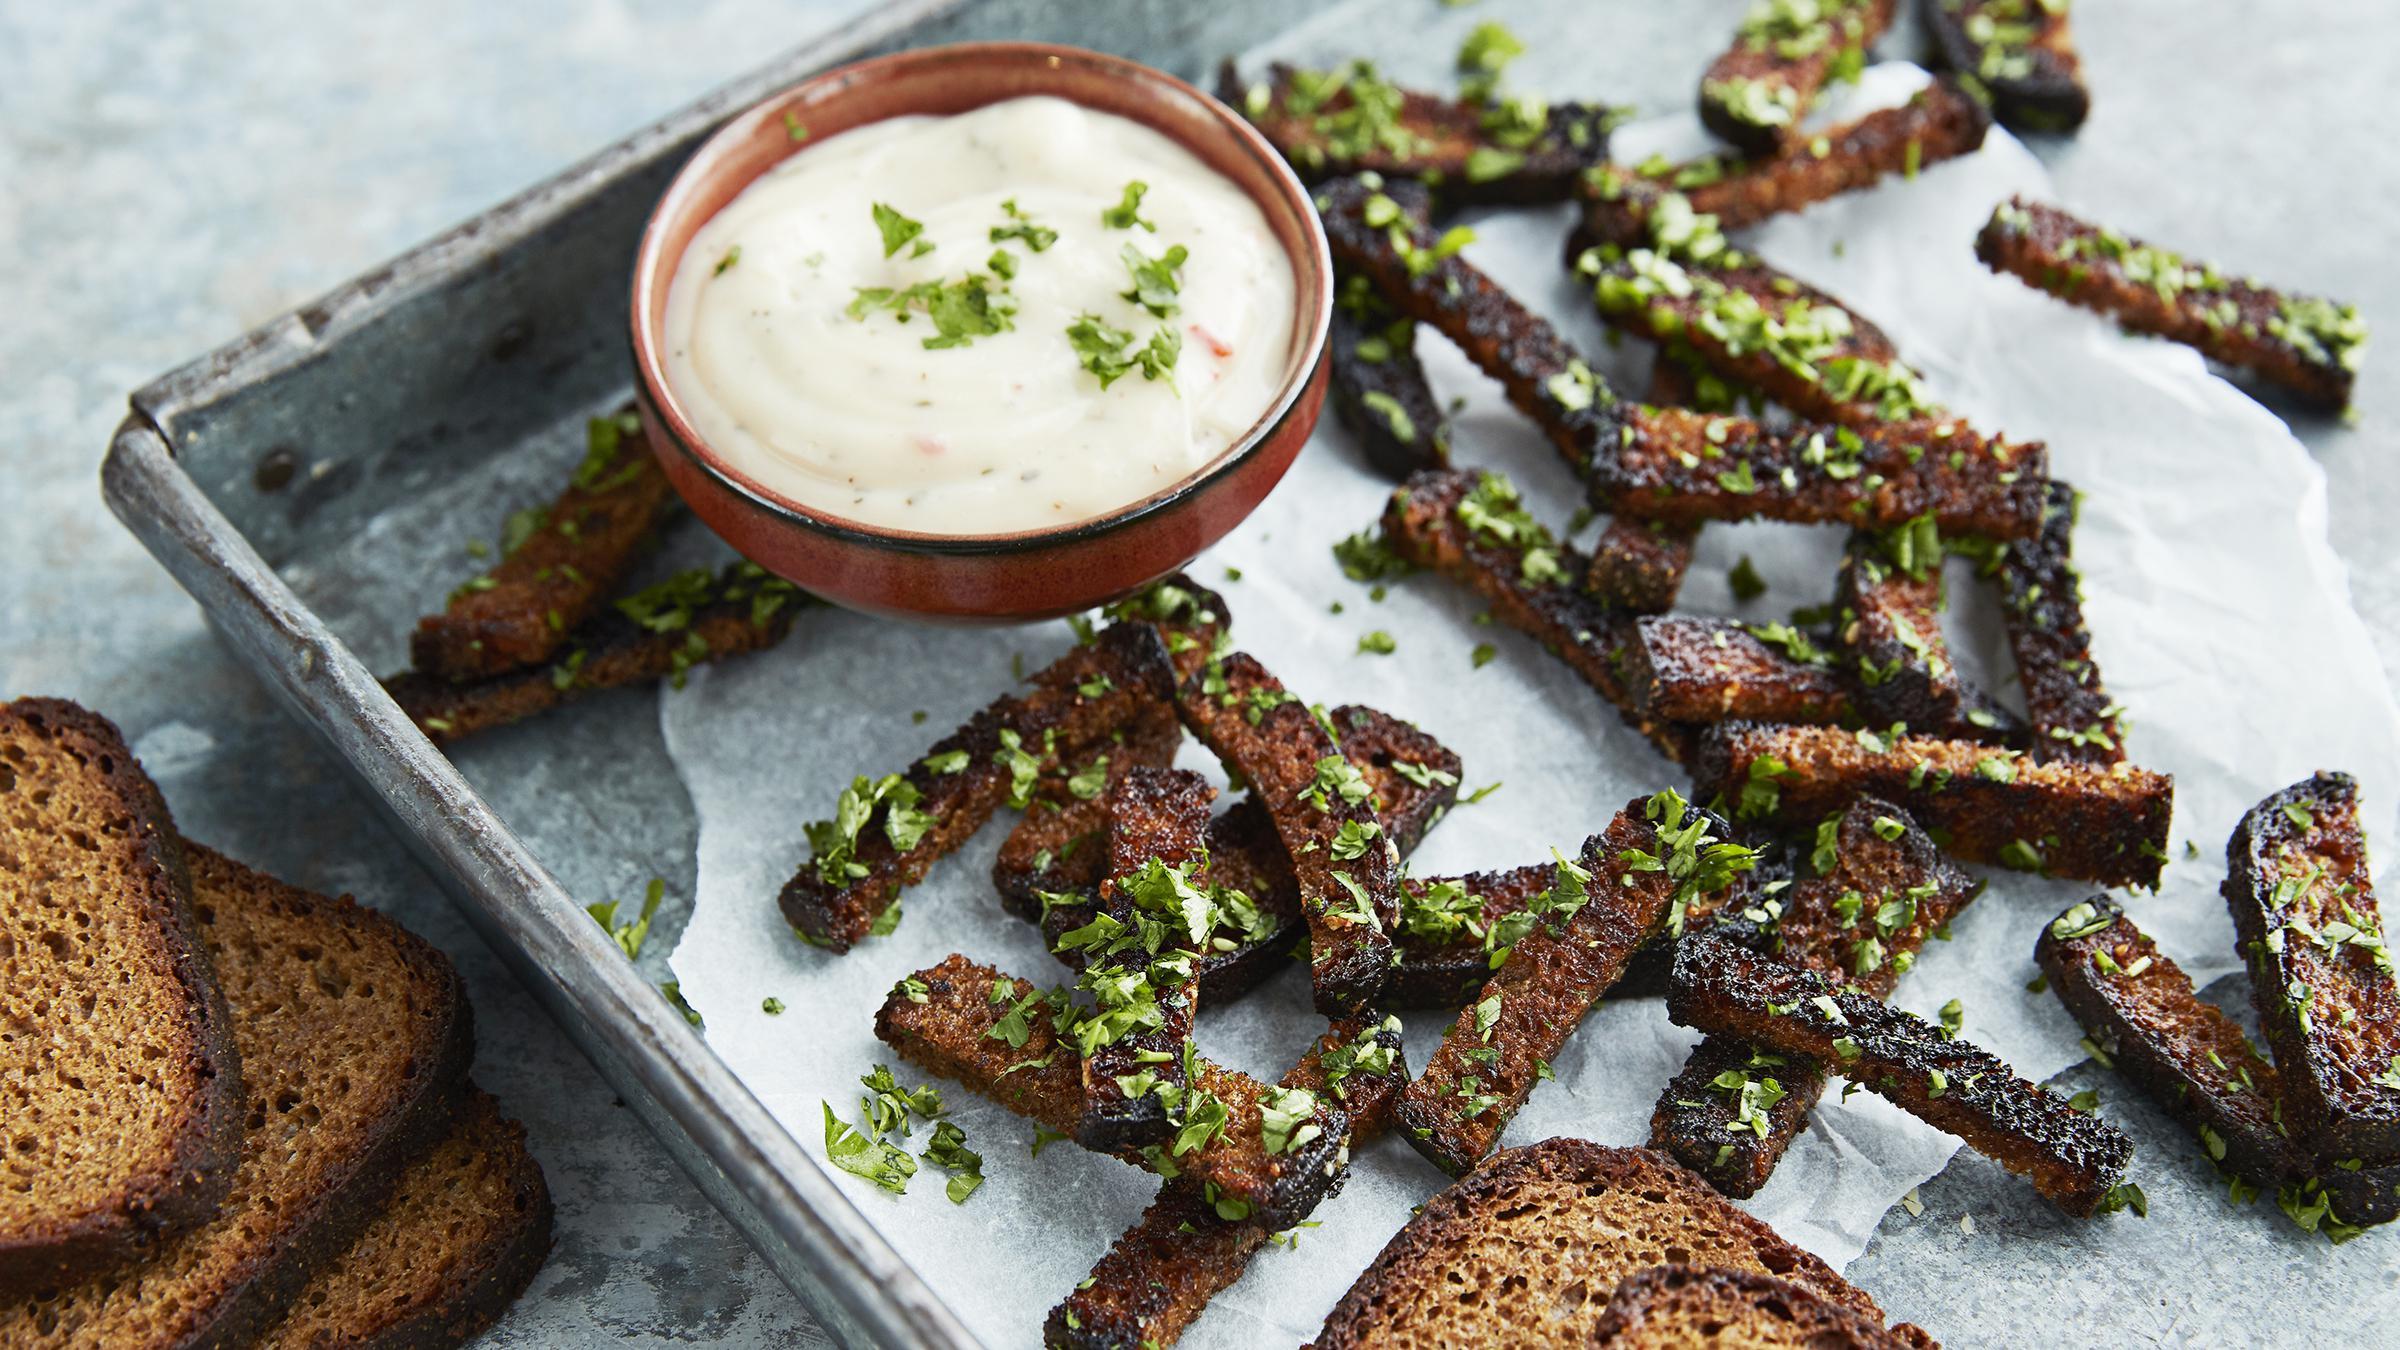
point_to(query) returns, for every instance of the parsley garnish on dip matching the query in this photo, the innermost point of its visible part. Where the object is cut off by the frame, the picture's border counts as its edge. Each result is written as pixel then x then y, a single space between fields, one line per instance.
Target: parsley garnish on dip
pixel 1015 318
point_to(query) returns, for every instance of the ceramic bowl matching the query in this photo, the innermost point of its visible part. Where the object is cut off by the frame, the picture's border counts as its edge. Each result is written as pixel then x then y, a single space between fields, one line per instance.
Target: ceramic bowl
pixel 1030 574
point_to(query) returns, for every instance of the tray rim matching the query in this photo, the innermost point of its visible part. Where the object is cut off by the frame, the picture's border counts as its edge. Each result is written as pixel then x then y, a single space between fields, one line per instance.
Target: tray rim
pixel 748 1165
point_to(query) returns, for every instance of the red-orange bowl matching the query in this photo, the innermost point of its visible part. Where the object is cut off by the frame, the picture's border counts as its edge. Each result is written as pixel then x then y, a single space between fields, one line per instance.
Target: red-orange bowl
pixel 1030 574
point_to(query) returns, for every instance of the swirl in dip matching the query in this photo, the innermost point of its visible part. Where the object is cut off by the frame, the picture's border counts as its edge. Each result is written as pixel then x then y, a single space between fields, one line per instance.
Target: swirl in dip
pixel 1011 319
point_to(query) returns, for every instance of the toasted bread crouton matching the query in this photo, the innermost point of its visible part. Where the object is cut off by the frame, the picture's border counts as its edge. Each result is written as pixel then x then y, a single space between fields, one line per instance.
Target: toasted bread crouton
pixel 1472 528
pixel 2021 52
pixel 557 566
pixel 1057 851
pixel 1558 954
pixel 1421 275
pixel 1158 1277
pixel 1323 810
pixel 1443 930
pixel 658 633
pixel 2103 823
pixel 2304 908
pixel 1677 1307
pixel 2310 346
pixel 1638 565
pixel 1757 93
pixel 2041 607
pixel 1002 1038
pixel 1157 857
pixel 1940 122
pixel 1755 325
pixel 1683 467
pixel 1521 1251
pixel 1046 876
pixel 1476 153
pixel 1379 387
pixel 886 834
pixel 2075 1160
pixel 2147 1022
pixel 1890 596
pixel 121 1074
pixel 1685 668
pixel 1881 891
pixel 1566 948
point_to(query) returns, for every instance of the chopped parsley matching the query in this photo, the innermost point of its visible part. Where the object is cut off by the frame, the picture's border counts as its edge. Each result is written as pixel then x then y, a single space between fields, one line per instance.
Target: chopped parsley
pixel 899 232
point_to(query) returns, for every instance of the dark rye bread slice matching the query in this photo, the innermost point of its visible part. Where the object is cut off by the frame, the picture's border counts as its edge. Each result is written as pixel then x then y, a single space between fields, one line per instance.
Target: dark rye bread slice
pixel 1672 1307
pixel 119 1077
pixel 461 1237
pixel 1691 668
pixel 1524 1250
pixel 2020 52
pixel 355 1037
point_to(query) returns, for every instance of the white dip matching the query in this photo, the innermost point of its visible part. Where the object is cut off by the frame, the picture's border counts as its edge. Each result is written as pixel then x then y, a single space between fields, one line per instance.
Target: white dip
pixel 838 403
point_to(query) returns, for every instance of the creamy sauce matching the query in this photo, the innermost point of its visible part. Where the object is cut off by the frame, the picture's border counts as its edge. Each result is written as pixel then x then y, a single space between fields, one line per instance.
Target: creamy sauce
pixel 842 408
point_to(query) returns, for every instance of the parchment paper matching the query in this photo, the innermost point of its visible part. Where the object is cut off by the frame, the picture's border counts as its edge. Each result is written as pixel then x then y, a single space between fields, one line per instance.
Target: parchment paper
pixel 2221 616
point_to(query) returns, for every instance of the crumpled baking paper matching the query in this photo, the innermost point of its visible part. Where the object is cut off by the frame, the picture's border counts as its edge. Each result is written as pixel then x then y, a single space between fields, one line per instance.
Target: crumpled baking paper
pixel 2222 622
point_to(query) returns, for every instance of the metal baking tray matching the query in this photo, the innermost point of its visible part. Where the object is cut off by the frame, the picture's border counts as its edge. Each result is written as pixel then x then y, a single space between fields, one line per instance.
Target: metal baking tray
pixel 276 476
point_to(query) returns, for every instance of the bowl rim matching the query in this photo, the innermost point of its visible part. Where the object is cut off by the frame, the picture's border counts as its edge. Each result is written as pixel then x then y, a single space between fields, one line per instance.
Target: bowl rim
pixel 651 383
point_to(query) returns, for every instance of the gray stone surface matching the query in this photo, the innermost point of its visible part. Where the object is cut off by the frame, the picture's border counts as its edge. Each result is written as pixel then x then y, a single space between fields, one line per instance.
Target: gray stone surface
pixel 175 174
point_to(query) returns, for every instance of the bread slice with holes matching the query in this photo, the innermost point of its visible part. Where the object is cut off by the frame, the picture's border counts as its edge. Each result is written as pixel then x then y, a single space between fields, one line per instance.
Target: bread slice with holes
pixel 1669 1307
pixel 1526 1249
pixel 120 1110
pixel 461 1237
pixel 355 1037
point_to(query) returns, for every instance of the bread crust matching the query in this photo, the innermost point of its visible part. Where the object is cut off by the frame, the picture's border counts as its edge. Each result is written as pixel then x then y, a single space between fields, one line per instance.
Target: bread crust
pixel 1159 1275
pixel 1661 1208
pixel 2187 1056
pixel 167 1195
pixel 2074 1160
pixel 1677 1306
pixel 948 1033
pixel 1687 668
pixel 2296 868
pixel 1379 387
pixel 1544 376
